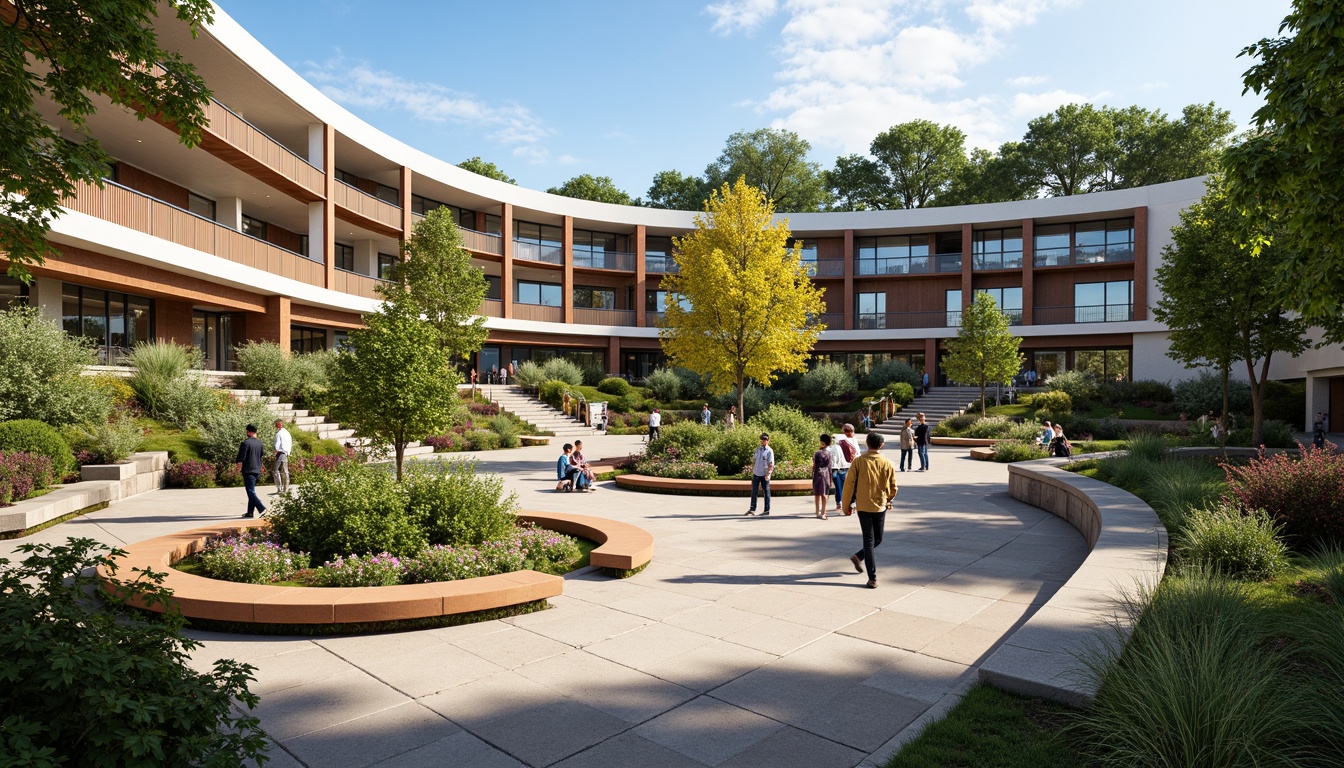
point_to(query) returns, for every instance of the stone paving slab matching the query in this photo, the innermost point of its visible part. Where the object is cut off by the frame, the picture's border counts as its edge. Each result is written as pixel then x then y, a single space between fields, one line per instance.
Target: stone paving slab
pixel 746 642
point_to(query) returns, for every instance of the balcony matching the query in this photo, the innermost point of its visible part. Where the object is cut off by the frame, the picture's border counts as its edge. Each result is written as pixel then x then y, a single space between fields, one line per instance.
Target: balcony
pixel 546 254
pixel 539 312
pixel 825 267
pixel 357 284
pixel 660 265
pixel 1098 313
pixel 365 210
pixel 987 261
pixel 604 260
pixel 243 145
pixel 947 262
pixel 1082 255
pixel 834 321
pixel 915 265
pixel 904 320
pixel 482 242
pixel 491 308
pixel 654 318
pixel 120 205
pixel 589 316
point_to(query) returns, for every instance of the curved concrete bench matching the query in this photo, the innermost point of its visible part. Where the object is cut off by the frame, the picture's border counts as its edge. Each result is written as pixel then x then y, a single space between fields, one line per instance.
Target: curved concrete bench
pixel 198 597
pixel 966 442
pixel 651 484
pixel 1128 549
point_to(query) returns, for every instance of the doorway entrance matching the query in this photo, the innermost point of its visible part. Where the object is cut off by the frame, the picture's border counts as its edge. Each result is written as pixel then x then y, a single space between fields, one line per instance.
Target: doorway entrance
pixel 212 334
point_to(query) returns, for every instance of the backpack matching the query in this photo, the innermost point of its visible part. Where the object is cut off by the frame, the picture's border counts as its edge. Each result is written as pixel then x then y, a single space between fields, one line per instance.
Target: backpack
pixel 847 448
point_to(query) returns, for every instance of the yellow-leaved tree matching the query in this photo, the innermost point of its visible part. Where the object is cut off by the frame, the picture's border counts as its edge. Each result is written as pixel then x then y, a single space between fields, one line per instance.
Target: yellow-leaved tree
pixel 750 308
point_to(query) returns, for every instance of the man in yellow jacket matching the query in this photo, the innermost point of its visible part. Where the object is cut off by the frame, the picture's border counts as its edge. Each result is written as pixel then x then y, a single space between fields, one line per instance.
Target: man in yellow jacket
pixel 870 487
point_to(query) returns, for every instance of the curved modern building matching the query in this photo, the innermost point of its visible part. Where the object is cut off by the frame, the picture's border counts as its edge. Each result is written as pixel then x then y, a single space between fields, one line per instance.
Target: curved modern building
pixel 280 224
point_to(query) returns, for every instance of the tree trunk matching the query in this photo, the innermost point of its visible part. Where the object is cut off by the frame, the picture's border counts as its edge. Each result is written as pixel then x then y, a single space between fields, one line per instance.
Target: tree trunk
pixel 1227 403
pixel 982 397
pixel 400 448
pixel 1258 400
pixel 741 399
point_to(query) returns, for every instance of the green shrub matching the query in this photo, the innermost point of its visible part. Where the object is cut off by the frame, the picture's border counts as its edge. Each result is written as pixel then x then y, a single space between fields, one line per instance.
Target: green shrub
pixel 955 426
pixel 41 372
pixel 225 429
pixel 1001 427
pixel 271 368
pixel 688 438
pixel 829 381
pixel 552 393
pixel 30 436
pixel 186 401
pixel 900 393
pixel 754 400
pixel 1141 391
pixel 1196 685
pixel 803 429
pixel 352 509
pixel 117 390
pixel 614 386
pixel 1055 401
pixel 157 365
pixel 1149 446
pixel 890 372
pixel 506 429
pixel 664 385
pixel 1080 386
pixel 112 441
pixel 529 376
pixel 1176 486
pixel 454 505
pixel 483 440
pixel 1225 540
pixel 1017 450
pixel 1204 394
pixel 662 465
pixel 1287 403
pixel 733 449
pixel 693 385
pixel 1127 471
pixel 561 369
pixel 92 681
pixel 1274 434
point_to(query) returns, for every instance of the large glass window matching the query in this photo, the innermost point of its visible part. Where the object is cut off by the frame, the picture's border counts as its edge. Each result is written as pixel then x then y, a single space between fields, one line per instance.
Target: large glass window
pixel 201 206
pixel 892 255
pixel 462 217
pixel 254 227
pixel 493 288
pixel 1050 245
pixel 1103 364
pixel 13 293
pixel 871 309
pixel 1088 242
pixel 385 262
pixel 594 298
pixel 953 308
pixel 591 248
pixel 996 248
pixel 658 254
pixel 545 294
pixel 303 339
pixel 345 257
pixel 212 334
pixel 1009 301
pixel 656 301
pixel 114 321
pixel 807 249
pixel 1107 302
pixel 540 234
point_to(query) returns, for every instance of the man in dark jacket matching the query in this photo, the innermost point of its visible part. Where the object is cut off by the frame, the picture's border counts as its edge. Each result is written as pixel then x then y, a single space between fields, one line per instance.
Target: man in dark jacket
pixel 249 464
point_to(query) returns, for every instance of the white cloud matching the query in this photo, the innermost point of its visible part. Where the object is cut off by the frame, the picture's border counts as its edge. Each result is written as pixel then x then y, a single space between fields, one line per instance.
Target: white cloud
pixel 732 15
pixel 1024 80
pixel 849 69
pixel 1029 105
pixel 359 86
pixel 539 155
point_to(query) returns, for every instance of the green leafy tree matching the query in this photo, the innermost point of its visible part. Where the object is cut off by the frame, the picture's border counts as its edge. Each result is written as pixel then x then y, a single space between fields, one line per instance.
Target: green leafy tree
pixel 437 280
pixel 990 177
pixel 88 680
pixel 1152 149
pixel 586 186
pixel 675 191
pixel 69 52
pixel 751 301
pixel 775 161
pixel 394 384
pixel 983 351
pixel 1063 151
pixel 489 170
pixel 1216 302
pixel 1291 169
pixel 856 183
pixel 920 158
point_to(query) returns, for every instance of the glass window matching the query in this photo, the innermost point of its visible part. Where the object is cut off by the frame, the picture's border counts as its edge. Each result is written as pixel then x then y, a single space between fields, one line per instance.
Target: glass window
pixel 346 177
pixel 340 339
pixel 872 310
pixel 590 248
pixel 656 301
pixel 594 298
pixel 996 249
pixel 114 321
pixel 1008 300
pixel 953 308
pixel 1103 302
pixel 201 206
pixel 545 294
pixel 1050 245
pixel 303 339
pixel 12 293
pixel 892 255
pixel 254 227
pixel 492 288
pixel 541 234
pixel 389 194
pixel 1103 364
pixel 139 320
pixel 345 257
pixel 806 247
pixel 385 263
pixel 493 224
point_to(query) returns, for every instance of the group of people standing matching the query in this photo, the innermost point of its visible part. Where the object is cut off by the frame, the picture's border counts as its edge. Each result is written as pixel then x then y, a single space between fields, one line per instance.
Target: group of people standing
pixel 496 375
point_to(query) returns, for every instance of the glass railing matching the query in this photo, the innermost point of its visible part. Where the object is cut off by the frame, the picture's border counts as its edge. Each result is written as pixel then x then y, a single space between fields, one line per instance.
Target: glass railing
pixel 948 262
pixel 915 265
pixel 827 267
pixel 1102 254
pixel 549 254
pixel 1010 260
pixel 604 260
pixel 660 265
pixel 1096 313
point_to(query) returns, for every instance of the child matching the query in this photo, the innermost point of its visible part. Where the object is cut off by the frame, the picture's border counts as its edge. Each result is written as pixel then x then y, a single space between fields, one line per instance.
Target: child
pixel 821 477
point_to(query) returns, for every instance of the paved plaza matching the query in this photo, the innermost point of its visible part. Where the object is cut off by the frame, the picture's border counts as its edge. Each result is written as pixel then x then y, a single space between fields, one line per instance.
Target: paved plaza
pixel 747 641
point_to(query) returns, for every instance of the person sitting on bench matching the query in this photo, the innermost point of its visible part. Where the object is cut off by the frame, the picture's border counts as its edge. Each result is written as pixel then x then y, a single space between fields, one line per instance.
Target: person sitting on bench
pixel 568 476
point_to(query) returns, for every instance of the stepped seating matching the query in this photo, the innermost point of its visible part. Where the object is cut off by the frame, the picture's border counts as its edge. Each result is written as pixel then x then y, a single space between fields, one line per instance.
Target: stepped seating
pixel 535 412
pixel 320 425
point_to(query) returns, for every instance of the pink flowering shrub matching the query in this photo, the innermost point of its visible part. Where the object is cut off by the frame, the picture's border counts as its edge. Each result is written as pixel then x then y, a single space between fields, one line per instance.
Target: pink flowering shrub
pixel 449 442
pixel 1305 496
pixel 483 409
pixel 380 570
pixel 303 466
pixel 22 473
pixel 191 473
pixel 545 550
pixel 254 557
pixel 668 465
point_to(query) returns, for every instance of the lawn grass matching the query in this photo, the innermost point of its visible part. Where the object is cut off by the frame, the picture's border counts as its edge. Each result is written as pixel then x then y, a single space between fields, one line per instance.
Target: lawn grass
pixel 989 727
pixel 181 445
pixel 1128 411
pixel 1013 411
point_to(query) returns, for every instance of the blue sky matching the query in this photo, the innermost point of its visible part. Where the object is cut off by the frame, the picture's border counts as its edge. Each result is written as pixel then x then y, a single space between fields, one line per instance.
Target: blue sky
pixel 549 90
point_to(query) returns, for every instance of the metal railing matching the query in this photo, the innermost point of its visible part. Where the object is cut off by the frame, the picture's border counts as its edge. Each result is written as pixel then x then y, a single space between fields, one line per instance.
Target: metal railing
pixel 604 260
pixel 915 265
pixel 947 262
pixel 548 254
pixel 1064 257
pixel 899 320
pixel 654 318
pixel 834 321
pixel 826 267
pixel 1096 313
pixel 982 261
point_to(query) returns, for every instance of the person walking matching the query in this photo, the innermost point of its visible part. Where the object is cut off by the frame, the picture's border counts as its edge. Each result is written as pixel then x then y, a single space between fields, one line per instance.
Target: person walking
pixel 925 382
pixel 284 444
pixel 762 465
pixel 705 415
pixel 731 419
pixel 1059 444
pixel 908 446
pixel 821 477
pixel 655 425
pixel 846 451
pixel 870 488
pixel 249 465
pixel 504 376
pixel 922 434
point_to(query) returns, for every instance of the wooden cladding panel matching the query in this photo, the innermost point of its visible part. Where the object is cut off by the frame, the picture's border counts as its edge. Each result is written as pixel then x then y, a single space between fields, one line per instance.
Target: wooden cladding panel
pixel 363 209
pixel 357 285
pixel 1054 288
pixel 831 248
pixel 265 158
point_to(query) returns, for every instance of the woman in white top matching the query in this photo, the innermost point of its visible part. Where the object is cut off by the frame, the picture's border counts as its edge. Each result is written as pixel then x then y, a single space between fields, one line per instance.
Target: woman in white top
pixel 731 418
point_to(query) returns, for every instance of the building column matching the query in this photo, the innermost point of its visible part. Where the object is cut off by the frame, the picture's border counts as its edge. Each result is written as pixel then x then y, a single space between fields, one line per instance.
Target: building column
pixel 407 220
pixel 567 272
pixel 326 244
pixel 931 360
pixel 1028 272
pixel 229 212
pixel 366 257
pixel 966 270
pixel 506 268
pixel 1141 263
pixel 48 295
pixel 641 277
pixel 848 303
pixel 614 355
pixel 273 325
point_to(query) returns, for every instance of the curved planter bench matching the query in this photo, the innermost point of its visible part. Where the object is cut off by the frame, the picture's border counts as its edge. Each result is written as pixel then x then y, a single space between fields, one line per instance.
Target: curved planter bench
pixel 1128 548
pixel 651 484
pixel 623 546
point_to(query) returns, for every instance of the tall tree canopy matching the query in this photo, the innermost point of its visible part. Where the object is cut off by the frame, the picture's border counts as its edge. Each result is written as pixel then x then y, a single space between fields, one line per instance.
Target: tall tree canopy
pixel 482 168
pixel 676 191
pixel 920 158
pixel 990 177
pixel 983 351
pixel 68 51
pixel 774 161
pixel 437 281
pixel 586 186
pixel 856 183
pixel 751 302
pixel 1216 301
pixel 1291 168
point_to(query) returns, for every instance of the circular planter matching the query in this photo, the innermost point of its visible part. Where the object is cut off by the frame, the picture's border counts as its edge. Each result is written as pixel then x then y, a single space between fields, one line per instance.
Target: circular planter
pixel 674 486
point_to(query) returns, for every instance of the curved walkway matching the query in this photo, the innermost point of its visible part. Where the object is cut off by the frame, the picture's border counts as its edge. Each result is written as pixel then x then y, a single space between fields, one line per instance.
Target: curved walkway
pixel 746 642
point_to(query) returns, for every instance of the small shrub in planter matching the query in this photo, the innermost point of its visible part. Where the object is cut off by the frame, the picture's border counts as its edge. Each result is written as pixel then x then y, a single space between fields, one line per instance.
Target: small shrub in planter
pixel 664 385
pixel 1017 450
pixel 784 470
pixel 552 393
pixel 1055 401
pixel 352 508
pixel 1243 545
pixel 29 436
pixel 901 393
pixel 829 381
pixel 668 466
pixel 955 426
pixel 614 386
pixel 191 473
pixel 1305 496
pixel 803 429
pixel 444 563
pixel 688 438
pixel 21 474
pixel 545 550
pixel 506 429
pixel 889 372
pixel 482 440
pixel 110 442
pixel 483 409
pixel 252 558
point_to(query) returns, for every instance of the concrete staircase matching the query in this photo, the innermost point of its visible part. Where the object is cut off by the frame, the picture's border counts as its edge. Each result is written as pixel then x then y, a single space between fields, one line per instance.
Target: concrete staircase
pixel 939 404
pixel 321 425
pixel 535 412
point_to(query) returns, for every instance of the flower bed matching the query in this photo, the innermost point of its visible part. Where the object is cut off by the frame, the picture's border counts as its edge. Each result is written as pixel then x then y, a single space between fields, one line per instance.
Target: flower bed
pixel 23 473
